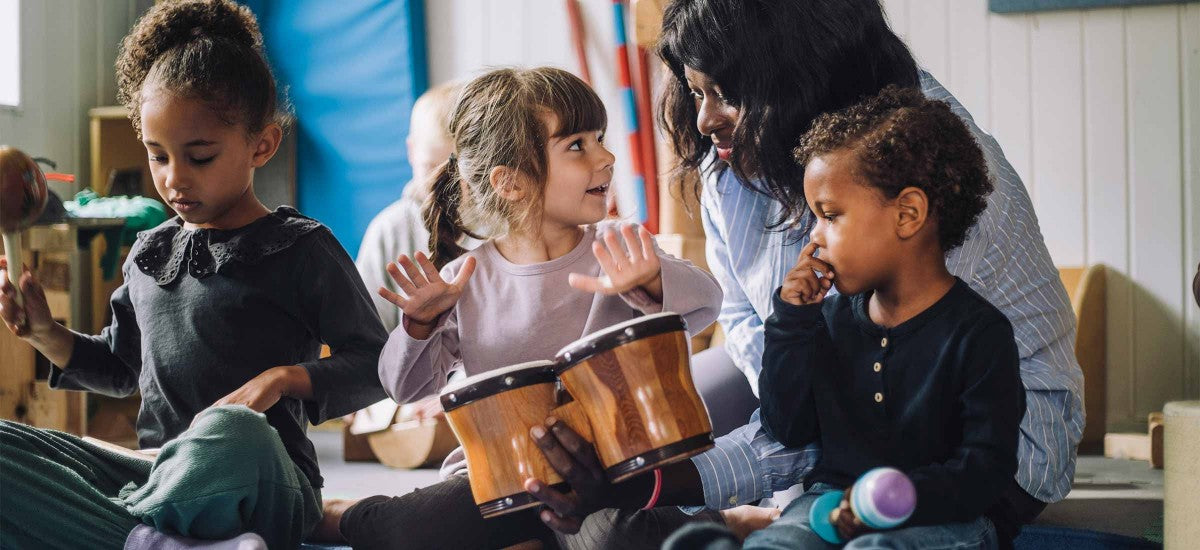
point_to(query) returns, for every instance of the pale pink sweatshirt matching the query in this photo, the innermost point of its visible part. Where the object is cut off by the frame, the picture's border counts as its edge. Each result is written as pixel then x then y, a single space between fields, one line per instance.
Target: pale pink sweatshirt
pixel 511 314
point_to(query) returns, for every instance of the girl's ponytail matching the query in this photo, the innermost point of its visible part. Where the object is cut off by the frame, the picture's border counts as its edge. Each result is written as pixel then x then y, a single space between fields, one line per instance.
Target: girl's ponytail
pixel 442 216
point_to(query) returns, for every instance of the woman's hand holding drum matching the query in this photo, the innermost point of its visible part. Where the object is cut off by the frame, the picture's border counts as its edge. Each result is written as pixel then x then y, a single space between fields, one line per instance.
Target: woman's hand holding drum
pixel 576 461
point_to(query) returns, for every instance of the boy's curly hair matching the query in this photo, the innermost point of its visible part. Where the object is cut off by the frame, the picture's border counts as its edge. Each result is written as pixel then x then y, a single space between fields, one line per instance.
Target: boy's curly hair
pixel 901 139
pixel 211 50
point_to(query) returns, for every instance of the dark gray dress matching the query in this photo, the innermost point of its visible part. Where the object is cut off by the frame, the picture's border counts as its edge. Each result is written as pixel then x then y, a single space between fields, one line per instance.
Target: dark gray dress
pixel 202 312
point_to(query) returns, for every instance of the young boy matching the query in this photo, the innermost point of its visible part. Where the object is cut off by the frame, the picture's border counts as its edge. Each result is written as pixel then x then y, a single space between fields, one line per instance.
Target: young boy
pixel 905 366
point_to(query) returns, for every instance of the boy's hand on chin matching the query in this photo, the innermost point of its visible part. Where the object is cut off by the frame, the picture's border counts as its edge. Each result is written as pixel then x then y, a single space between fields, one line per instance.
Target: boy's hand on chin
pixel 801 286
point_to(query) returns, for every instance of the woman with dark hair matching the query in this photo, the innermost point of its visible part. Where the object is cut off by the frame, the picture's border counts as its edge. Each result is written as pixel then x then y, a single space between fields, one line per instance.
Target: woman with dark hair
pixel 750 76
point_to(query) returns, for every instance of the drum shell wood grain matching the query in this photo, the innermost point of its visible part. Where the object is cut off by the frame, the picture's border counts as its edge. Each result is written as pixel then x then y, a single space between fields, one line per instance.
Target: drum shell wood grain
pixel 500 453
pixel 639 397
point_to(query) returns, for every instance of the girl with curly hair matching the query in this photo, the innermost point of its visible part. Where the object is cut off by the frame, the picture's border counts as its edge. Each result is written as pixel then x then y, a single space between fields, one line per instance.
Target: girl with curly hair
pixel 218 325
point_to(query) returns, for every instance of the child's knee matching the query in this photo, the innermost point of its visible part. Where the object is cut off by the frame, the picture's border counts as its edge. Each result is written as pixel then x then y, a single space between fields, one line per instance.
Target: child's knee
pixel 245 432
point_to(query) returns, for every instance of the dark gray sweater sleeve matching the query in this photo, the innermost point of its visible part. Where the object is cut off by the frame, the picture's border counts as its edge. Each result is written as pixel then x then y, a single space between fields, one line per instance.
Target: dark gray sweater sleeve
pixel 107 363
pixel 337 308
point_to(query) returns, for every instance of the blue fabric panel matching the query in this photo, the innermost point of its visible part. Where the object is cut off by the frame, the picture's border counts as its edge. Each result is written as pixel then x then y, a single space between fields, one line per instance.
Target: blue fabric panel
pixel 353 69
pixel 1011 6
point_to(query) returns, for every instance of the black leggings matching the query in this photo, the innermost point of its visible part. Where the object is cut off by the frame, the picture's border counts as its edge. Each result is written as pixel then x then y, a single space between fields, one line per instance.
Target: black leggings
pixel 445 516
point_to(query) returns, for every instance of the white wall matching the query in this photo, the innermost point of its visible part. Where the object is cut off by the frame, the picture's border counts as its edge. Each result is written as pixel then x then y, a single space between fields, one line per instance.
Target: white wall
pixel 68 48
pixel 1099 111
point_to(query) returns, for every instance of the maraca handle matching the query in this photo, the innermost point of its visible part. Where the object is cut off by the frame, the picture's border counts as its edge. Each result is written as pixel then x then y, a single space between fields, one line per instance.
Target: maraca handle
pixel 820 516
pixel 12 251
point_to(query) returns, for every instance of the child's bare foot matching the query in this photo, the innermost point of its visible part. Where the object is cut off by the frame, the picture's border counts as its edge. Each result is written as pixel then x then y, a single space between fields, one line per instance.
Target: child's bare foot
pixel 327 530
pixel 744 520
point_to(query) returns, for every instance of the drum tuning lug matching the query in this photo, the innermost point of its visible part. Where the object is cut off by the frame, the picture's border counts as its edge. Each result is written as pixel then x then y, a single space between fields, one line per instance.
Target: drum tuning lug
pixel 630 332
pixel 639 461
pixel 508 501
pixel 508 380
pixel 453 398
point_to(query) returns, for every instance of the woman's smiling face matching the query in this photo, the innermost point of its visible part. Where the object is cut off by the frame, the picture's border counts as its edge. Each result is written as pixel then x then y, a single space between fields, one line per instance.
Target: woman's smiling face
pixel 716 116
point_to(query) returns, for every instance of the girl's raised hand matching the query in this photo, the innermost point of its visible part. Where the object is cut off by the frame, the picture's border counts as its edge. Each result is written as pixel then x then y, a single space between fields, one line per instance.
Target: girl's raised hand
pixel 625 267
pixel 426 295
pixel 801 285
pixel 30 318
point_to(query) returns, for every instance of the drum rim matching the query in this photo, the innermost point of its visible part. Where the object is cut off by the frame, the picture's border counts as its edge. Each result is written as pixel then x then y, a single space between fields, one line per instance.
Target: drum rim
pixel 617 335
pixel 486 384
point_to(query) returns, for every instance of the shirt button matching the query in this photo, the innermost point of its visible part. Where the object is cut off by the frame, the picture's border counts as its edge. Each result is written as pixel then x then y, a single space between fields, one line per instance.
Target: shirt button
pixel 878 367
pixel 878 397
pixel 733 500
pixel 883 343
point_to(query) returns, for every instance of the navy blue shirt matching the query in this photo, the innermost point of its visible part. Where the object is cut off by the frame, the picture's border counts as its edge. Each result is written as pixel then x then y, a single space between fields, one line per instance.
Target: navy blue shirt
pixel 938 397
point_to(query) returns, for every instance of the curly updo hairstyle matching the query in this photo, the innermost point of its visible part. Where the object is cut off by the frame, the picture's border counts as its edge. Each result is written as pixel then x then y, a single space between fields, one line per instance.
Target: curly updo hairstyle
pixel 901 139
pixel 210 50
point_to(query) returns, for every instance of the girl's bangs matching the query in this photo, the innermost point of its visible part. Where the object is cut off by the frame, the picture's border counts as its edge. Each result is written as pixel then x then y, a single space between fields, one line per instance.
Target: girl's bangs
pixel 576 105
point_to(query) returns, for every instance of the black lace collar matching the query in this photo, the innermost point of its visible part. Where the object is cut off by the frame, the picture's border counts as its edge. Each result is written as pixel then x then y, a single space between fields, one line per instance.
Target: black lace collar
pixel 168 247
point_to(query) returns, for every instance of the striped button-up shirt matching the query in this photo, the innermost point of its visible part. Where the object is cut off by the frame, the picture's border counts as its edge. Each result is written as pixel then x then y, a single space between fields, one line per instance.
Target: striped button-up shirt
pixel 1004 259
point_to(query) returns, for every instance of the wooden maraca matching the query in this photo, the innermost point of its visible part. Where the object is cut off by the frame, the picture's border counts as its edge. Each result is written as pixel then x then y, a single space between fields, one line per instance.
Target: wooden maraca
pixel 22 199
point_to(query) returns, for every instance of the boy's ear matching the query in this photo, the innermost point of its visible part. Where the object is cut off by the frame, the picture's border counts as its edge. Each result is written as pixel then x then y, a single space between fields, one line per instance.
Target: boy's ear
pixel 912 205
pixel 507 183
pixel 267 144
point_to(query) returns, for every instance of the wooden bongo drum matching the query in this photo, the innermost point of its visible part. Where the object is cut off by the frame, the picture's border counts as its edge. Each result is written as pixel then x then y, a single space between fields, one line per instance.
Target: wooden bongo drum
pixel 634 382
pixel 491 413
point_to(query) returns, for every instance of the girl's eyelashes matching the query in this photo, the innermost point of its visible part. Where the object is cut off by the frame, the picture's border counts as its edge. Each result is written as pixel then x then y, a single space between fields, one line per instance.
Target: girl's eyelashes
pixel 577 143
pixel 162 159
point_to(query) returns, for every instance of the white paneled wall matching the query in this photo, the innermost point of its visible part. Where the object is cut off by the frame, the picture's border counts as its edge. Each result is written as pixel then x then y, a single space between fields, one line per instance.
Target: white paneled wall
pixel 1099 111
pixel 466 37
pixel 68 48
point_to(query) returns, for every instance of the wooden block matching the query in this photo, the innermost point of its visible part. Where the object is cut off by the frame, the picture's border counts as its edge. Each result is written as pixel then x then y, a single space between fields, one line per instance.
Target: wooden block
pixel 54 274
pixel 1156 440
pixel 1086 288
pixel 1127 446
pixel 678 198
pixel 684 247
pixel 356 448
pixel 647 21
pixel 414 443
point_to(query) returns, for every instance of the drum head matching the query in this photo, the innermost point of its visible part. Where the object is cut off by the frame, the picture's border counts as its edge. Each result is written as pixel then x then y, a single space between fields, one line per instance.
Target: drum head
pixel 487 384
pixel 617 335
